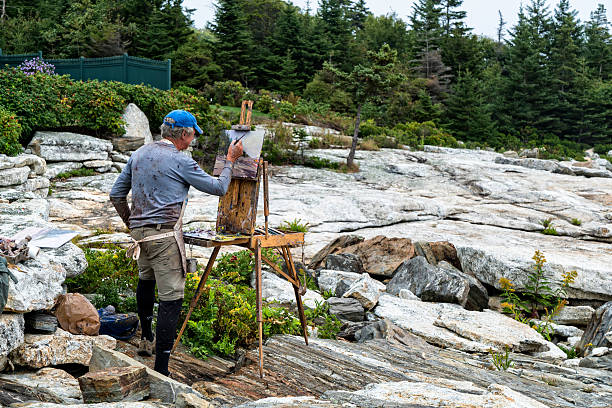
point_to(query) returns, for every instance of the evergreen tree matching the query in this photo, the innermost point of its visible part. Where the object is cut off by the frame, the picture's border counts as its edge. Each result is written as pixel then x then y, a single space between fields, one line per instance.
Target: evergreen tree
pixel 357 14
pixel 366 82
pixel 452 18
pixel 336 26
pixel 527 83
pixel 598 47
pixel 389 29
pixel 566 74
pixel 467 115
pixel 233 42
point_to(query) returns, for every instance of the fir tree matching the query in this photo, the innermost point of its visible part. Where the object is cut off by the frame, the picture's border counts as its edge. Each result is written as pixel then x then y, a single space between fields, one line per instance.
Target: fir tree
pixel 527 84
pixel 467 115
pixel 598 47
pixel 565 69
pixel 233 42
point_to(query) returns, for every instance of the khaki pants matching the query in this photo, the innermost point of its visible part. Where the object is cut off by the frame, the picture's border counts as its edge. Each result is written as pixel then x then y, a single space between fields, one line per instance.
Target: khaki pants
pixel 160 260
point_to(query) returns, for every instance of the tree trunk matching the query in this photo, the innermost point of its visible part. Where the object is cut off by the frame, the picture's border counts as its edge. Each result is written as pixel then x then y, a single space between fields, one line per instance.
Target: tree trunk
pixel 3 10
pixel 351 156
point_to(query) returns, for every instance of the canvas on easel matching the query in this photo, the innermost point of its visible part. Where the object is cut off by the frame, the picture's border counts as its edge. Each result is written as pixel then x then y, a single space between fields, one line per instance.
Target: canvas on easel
pixel 246 166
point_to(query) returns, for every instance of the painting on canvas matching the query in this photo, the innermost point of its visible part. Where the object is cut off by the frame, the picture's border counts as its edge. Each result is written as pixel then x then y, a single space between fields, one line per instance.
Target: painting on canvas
pixel 246 166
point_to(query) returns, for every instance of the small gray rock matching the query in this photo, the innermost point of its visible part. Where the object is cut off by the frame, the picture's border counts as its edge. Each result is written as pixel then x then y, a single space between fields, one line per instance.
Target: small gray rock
pixel 346 309
pixel 344 262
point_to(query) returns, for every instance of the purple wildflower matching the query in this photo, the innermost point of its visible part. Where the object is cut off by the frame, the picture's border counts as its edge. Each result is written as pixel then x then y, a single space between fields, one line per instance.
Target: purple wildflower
pixel 35 66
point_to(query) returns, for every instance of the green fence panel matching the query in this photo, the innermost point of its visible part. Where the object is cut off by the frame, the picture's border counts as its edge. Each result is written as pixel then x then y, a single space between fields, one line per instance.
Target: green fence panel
pixel 16 59
pixel 123 68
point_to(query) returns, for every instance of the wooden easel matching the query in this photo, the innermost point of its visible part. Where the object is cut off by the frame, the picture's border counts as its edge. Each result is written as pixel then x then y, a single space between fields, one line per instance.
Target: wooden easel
pixel 237 213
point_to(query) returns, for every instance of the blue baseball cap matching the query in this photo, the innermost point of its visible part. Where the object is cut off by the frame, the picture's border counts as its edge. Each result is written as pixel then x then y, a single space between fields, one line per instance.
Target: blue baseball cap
pixel 182 118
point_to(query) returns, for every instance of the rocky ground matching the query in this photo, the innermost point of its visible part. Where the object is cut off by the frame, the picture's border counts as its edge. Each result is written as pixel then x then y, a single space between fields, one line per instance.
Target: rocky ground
pixel 403 351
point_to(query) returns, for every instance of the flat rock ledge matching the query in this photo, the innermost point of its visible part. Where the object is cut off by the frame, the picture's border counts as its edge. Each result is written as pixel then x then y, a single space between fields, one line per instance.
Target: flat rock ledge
pixel 330 373
pixel 449 325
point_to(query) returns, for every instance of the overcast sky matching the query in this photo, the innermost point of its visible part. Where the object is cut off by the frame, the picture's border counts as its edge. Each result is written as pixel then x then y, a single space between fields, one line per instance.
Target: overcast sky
pixel 481 14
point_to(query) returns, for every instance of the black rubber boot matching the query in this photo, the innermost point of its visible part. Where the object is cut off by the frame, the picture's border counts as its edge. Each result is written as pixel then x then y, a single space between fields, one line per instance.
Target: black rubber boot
pixel 167 319
pixel 145 299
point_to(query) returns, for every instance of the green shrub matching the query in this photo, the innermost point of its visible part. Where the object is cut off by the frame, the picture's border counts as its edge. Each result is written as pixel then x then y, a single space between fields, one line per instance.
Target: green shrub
pixel 576 221
pixel 230 93
pixel 236 267
pixel 111 275
pixel 284 111
pixel 225 318
pixel 82 172
pixel 602 149
pixel 417 134
pixel 43 101
pixel 10 130
pixel 264 102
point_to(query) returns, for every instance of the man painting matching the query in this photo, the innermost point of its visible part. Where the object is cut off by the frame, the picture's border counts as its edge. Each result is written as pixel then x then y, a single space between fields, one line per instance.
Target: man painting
pixel 159 176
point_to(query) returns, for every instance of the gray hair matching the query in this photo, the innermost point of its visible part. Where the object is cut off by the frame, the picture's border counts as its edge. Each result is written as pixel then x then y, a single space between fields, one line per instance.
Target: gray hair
pixel 167 132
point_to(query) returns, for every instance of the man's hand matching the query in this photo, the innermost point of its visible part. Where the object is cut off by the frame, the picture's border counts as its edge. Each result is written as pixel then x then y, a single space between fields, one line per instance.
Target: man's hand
pixel 234 151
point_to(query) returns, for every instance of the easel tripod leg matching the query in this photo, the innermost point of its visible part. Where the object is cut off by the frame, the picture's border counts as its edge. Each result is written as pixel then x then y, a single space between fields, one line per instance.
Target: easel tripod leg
pixel 259 306
pixel 194 300
pixel 298 298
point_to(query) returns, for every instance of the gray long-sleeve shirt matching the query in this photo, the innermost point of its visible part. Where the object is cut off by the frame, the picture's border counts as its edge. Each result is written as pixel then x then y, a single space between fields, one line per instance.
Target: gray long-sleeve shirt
pixel 159 177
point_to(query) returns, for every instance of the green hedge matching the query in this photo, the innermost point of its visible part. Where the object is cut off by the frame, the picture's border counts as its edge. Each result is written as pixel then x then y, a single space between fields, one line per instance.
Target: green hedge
pixel 44 101
pixel 10 130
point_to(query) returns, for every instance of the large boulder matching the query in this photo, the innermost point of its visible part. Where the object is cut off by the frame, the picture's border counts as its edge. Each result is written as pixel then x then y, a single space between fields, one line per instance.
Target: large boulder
pixel 366 290
pixel 442 283
pixel 137 130
pixel 449 325
pixel 62 347
pixel 381 255
pixel 38 287
pixel 333 247
pixel 597 332
pixel 12 332
pixel 66 146
pixel 488 266
pixel 428 282
pixel 14 176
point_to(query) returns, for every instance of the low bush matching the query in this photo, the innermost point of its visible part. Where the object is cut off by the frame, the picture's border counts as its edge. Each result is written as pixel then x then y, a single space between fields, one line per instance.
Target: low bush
pixel 82 172
pixel 111 275
pixel 225 318
pixel 230 93
pixel 42 101
pixel 236 267
pixel 10 130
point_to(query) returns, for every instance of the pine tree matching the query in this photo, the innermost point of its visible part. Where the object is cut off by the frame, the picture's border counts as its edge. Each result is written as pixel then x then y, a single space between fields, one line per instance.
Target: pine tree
pixel 233 42
pixel 334 16
pixel 598 47
pixel 467 115
pixel 566 74
pixel 452 19
pixel 527 83
pixel 357 14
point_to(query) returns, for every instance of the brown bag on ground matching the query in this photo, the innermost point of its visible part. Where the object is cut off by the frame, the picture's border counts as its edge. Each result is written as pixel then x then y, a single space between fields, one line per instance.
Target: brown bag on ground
pixel 77 315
